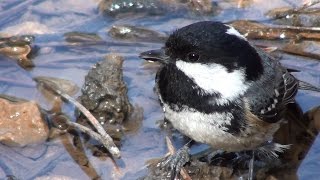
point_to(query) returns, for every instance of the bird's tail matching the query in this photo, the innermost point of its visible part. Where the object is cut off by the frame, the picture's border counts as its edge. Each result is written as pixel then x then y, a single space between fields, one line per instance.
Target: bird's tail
pixel 307 86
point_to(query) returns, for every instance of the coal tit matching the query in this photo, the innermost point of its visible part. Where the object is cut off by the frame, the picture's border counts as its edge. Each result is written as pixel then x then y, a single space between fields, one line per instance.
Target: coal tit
pixel 217 88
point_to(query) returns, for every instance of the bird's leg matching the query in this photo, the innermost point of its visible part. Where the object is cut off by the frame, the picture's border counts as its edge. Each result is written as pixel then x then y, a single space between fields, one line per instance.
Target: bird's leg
pixel 175 162
pixel 251 165
pixel 209 153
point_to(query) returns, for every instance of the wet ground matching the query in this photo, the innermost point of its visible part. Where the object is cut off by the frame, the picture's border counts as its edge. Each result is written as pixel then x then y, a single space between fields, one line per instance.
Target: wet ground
pixel 56 56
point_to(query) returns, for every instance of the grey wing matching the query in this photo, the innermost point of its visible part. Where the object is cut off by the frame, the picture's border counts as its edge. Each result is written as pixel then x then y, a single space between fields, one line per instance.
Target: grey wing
pixel 277 89
pixel 284 95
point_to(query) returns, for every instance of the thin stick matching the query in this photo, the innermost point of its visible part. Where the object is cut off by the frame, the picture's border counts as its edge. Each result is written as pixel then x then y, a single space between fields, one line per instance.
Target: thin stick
pixel 300 29
pixel 85 129
pixel 106 140
pixel 303 7
pixel 93 134
pixel 307 5
pixel 172 150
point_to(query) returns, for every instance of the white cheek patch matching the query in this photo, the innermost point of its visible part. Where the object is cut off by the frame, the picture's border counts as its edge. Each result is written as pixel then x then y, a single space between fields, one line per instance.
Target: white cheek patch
pixel 233 31
pixel 215 78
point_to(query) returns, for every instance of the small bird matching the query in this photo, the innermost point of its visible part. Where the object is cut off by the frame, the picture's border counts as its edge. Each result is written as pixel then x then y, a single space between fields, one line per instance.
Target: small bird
pixel 217 88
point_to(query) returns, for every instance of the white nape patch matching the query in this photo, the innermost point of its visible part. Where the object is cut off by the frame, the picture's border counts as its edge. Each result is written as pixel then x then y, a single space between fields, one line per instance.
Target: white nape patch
pixel 233 31
pixel 215 78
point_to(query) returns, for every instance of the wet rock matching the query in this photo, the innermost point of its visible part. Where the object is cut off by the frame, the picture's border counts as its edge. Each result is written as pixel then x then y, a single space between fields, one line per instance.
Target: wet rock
pixel 19 48
pixel 196 170
pixel 104 94
pixel 128 8
pixel 82 37
pixel 21 123
pixel 202 6
pixel 134 33
pixel 287 16
pixel 226 166
pixel 200 170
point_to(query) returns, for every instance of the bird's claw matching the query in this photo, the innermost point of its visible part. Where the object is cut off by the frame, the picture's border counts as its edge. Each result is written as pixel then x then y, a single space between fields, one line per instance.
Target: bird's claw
pixel 175 162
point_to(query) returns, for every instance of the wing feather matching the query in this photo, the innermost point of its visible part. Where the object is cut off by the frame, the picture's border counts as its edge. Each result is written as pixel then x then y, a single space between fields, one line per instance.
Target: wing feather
pixel 277 89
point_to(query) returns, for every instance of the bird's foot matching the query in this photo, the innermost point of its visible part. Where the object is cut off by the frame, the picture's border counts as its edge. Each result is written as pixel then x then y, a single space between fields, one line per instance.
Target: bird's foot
pixel 175 162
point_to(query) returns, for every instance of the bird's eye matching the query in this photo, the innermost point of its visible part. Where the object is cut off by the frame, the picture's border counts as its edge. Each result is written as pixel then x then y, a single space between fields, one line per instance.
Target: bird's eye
pixel 193 56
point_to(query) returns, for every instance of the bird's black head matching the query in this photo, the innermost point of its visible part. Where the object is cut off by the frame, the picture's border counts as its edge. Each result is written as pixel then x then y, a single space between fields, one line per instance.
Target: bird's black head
pixel 210 43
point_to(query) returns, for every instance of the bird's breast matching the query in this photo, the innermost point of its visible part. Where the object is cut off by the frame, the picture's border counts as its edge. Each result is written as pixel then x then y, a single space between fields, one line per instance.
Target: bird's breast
pixel 213 129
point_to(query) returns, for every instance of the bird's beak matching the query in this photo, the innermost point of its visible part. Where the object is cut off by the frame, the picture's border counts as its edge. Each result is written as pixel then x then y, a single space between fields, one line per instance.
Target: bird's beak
pixel 157 55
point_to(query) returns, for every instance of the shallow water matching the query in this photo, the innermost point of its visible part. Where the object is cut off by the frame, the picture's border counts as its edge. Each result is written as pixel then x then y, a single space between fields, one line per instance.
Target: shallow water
pixel 48 20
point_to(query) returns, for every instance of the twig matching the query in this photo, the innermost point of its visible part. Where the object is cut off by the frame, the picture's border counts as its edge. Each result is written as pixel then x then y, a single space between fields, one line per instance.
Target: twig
pixel 299 29
pixel 172 150
pixel 106 140
pixel 297 49
pixel 86 130
pixel 297 10
pixel 307 5
pixel 255 30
